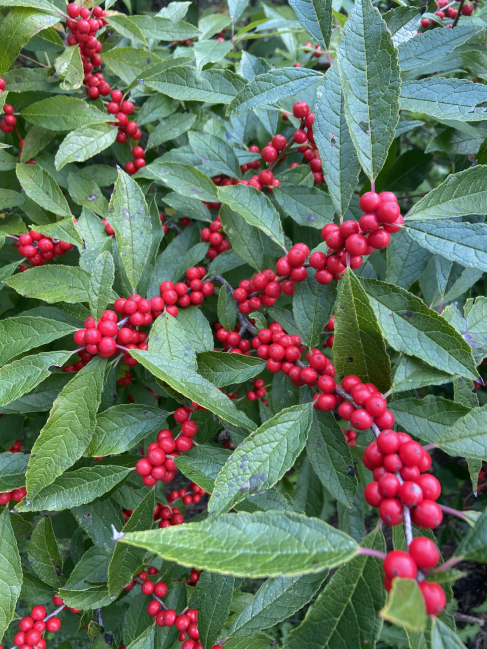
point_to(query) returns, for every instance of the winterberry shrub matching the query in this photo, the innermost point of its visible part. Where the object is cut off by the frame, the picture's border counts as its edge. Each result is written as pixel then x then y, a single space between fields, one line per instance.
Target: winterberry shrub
pixel 242 324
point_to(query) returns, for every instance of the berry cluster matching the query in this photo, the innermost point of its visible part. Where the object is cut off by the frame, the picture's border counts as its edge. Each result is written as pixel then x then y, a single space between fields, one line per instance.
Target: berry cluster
pixel 258 392
pixel 399 464
pixel 280 350
pixel 159 463
pixel 104 337
pixel 193 495
pixel 183 294
pixel 127 379
pixel 423 554
pixel 32 627
pixel 38 248
pixel 9 120
pixel 372 408
pixel 215 236
pixel 16 495
pixel 449 12
pixel 16 446
pixel 232 341
pixel 167 516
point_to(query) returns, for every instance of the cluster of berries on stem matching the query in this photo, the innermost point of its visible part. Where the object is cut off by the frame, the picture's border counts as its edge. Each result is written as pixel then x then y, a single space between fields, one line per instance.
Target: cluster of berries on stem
pixel 446 9
pixel 215 236
pixel 184 294
pixel 38 248
pixel 32 627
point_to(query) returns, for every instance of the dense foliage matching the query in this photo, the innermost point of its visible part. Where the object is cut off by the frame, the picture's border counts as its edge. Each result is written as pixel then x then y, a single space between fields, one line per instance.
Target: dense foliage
pixel 242 257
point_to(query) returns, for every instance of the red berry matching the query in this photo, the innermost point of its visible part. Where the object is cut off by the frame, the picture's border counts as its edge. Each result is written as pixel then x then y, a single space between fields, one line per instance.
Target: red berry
pixel 434 597
pixel 400 564
pixel 379 239
pixel 410 493
pixel 269 154
pixel 427 514
pixel 153 608
pixel 279 142
pixel 53 624
pixel 430 486
pixel 411 453
pixel 389 485
pixel 391 511
pixel 300 109
pixel 38 612
pixel 372 494
pixel 424 552
pixel 361 419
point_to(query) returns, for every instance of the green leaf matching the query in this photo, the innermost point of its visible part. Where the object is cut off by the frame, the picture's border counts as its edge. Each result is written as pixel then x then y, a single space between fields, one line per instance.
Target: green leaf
pixel 12 224
pixel 126 559
pixel 64 230
pixel 168 338
pixel 62 113
pixel 68 431
pixel 247 241
pixel 102 277
pixel 75 488
pixel 276 600
pixel 22 333
pixel 125 26
pixel 473 545
pixel 255 641
pixel 316 17
pixel 212 24
pixel 18 27
pixel 467 437
pixel 193 386
pixel 92 567
pixel 410 327
pixel 473 326
pixel 215 152
pixel 236 9
pixel 22 376
pixel 265 544
pixel 367 62
pixel 262 459
pixel 348 606
pixel 255 208
pixel 214 608
pixel 444 98
pixel 460 194
pixel 10 198
pixel 87 193
pixel 411 373
pixel 52 284
pixel 87 598
pixel 12 470
pixel 122 427
pixel 129 63
pixel 312 307
pixel 197 328
pixel 443 637
pixel 164 29
pixel 331 459
pixel 223 369
pixel 171 128
pixel 308 206
pixel 358 346
pixel 463 243
pixel 168 262
pixel 431 46
pixel 270 87
pixel 43 553
pixel 406 260
pixel 184 179
pixel 204 465
pixel 405 606
pixel 227 308
pixel 187 84
pixel 129 217
pixel 210 52
pixel 84 143
pixel 69 68
pixel 40 398
pixel 191 207
pixel 10 571
pixel 192 257
pixel 41 187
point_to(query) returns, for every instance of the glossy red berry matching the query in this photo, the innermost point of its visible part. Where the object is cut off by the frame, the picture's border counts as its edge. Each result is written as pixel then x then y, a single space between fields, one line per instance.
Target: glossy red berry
pixel 411 453
pixel 400 564
pixel 38 612
pixel 410 493
pixel 389 485
pixel 434 597
pixel 369 202
pixel 427 514
pixel 53 624
pixel 391 511
pixel 430 486
pixel 424 552
pixel 373 495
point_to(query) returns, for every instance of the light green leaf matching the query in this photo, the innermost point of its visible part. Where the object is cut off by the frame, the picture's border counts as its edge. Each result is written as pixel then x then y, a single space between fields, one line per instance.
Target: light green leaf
pixel 340 164
pixel 75 488
pixel 10 198
pixel 18 27
pixel 12 470
pixel 86 192
pixel 410 327
pixel 270 87
pixel 102 277
pixel 316 17
pixel 22 333
pixel 473 545
pixel 171 128
pixel 308 206
pixel 411 373
pixel 188 206
pixel 192 257
pixel 444 98
pixel 348 606
pixel 129 63
pixel 184 179
pixel 467 437
pixel 168 338
pixel 197 328
pixel 125 26
pixel 41 187
pixel 84 143
pixel 211 25
pixel 68 431
pixel 214 607
pixel 358 346
pixel 64 230
pixel 247 241
pixel 69 68
pixel 10 571
pixel 223 369
pixel 312 307
pixel 460 194
pixel 164 29
pixel 187 84
pixel 226 308
pixel 262 459
pixel 210 52
pixel 52 284
pixel 43 553
pixel 62 113
pixel 432 45
pixel 126 559
pixel 405 606
pixel 122 427
pixel 443 637
pixel 22 376
pixel 406 260
pixel 255 208
pixel 367 62
pixel 193 386
pixel 236 9
pixel 331 459
pixel 204 465
pixel 265 544
pixel 215 152
pixel 12 224
pixel 92 567
pixel 129 217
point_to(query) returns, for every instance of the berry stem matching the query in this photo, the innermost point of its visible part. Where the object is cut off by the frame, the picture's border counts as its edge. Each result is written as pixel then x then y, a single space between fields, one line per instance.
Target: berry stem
pixel 428 447
pixel 372 553
pixel 34 61
pixel 459 13
pixel 244 322
pixel 454 512
pixel 282 153
pixel 447 565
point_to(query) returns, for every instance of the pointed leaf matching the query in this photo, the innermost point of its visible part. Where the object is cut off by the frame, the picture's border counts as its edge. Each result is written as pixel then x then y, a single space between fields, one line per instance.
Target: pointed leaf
pixel 43 553
pixel 265 544
pixel 84 143
pixel 431 46
pixel 10 571
pixel 100 287
pixel 405 606
pixel 187 84
pixel 214 608
pixel 223 369
pixel 444 98
pixel 22 333
pixel 64 230
pixel 313 304
pixel 226 308
pixel 12 470
pixel 197 328
pixel 215 152
pixel 442 637
pixel 316 17
pixel 69 68
pixel 184 179
pixel 367 62
pixel 473 545
pixel 52 284
pixel 467 437
pixel 62 113
pixel 308 206
pixel 168 338
pixel 41 187
pixel 262 459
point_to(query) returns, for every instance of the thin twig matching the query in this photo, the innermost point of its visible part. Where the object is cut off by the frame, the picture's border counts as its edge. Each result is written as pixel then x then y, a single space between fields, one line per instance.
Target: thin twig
pixel 33 61
pixel 459 13
pixel 244 322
